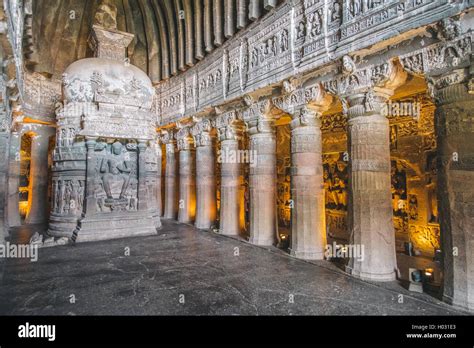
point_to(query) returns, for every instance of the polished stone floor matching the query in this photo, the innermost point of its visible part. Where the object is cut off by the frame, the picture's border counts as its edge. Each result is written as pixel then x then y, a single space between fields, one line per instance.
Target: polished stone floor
pixel 183 271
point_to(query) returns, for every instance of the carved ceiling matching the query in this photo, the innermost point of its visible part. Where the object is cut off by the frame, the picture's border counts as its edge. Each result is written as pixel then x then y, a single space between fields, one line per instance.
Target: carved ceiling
pixel 170 35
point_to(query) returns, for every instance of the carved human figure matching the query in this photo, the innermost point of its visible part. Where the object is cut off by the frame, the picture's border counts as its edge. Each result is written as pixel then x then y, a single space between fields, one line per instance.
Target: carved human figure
pixel 316 24
pixel 354 7
pixel 301 31
pixel 336 12
pixel 340 179
pixel 68 196
pixel 63 137
pixel 284 40
pixel 80 195
pixel 114 168
pixel 61 197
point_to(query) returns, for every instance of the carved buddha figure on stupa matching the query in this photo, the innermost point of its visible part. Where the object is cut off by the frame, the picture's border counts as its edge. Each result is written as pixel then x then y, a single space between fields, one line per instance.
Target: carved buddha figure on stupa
pixel 115 168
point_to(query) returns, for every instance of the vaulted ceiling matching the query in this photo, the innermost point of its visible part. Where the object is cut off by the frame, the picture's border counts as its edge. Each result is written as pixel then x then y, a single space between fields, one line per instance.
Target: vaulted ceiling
pixel 170 35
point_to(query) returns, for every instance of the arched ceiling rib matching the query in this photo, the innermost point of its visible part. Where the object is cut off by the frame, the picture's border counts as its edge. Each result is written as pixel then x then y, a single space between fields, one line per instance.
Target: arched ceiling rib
pixel 170 35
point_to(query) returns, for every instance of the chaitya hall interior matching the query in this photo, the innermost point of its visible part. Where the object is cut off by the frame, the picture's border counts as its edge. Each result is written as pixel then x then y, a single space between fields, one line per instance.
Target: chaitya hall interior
pixel 338 132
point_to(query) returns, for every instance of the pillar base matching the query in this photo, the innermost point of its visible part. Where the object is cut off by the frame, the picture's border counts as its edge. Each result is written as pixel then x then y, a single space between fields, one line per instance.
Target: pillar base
pixel 186 221
pixel 114 226
pixel 262 242
pixel 461 304
pixel 202 226
pixel 229 233
pixel 36 221
pixel 307 254
pixel 375 277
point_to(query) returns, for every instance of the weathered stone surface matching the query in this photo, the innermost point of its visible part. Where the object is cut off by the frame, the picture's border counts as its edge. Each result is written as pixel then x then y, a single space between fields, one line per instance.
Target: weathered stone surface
pixel 262 184
pixel 187 178
pixel 38 200
pixel 106 183
pixel 13 214
pixel 206 205
pixel 369 175
pixel 213 281
pixel 456 173
pixel 171 177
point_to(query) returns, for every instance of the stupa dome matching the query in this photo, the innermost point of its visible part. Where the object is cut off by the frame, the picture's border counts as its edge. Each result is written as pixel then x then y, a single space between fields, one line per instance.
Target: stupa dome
pixel 102 79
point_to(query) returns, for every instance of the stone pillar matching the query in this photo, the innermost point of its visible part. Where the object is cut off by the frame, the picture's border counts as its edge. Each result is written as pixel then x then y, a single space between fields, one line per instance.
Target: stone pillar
pixel 370 210
pixel 206 205
pixel 142 189
pixel 13 212
pixel 187 183
pixel 38 200
pixel 159 201
pixel 262 178
pixel 308 225
pixel 4 140
pixel 171 172
pixel 90 201
pixel 231 174
pixel 455 134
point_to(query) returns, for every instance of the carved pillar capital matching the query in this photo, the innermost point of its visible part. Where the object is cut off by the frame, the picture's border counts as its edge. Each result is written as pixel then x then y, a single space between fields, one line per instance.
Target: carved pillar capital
pixel 315 97
pixel 201 132
pixel 185 139
pixel 229 126
pixel 366 102
pixel 90 143
pixel 363 91
pixel 258 119
pixel 305 117
pixel 452 86
pixel 168 138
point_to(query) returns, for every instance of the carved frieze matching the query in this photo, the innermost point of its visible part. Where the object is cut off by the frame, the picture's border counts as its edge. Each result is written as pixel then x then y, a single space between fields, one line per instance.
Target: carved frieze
pixel 269 50
pixel 210 81
pixel 437 58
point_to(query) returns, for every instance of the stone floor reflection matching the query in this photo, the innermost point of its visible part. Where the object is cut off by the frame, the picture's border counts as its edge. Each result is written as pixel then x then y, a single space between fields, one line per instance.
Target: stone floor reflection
pixel 203 267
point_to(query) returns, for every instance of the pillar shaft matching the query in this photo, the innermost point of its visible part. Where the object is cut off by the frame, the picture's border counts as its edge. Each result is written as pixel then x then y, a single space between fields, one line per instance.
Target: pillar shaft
pixel 171 184
pixel 38 199
pixel 13 212
pixel 206 205
pixel 187 186
pixel 455 133
pixel 230 190
pixel 142 189
pixel 158 193
pixel 308 232
pixel 262 183
pixel 91 200
pixel 370 210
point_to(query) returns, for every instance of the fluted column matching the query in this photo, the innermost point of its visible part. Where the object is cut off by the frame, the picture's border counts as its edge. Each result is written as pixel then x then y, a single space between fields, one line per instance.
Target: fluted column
pixel 308 227
pixel 206 205
pixel 171 172
pixel 38 199
pixel 455 134
pixel 231 174
pixel 187 183
pixel 262 179
pixel 370 209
